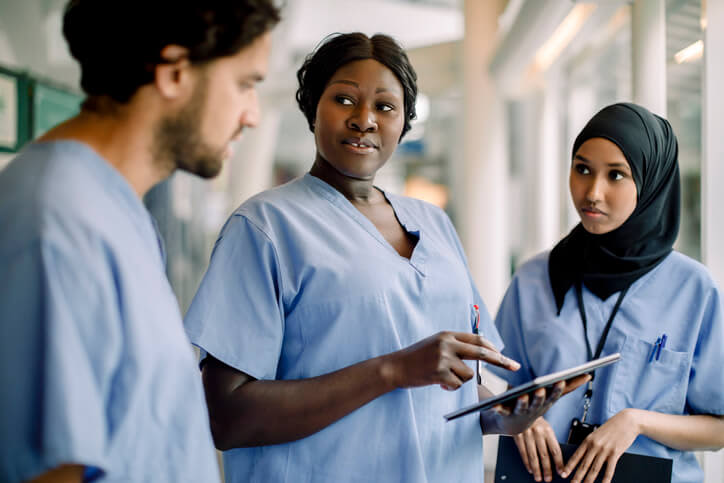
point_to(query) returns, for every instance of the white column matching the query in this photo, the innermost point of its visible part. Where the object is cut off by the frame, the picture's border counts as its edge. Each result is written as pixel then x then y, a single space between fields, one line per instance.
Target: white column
pixel 648 35
pixel 551 185
pixel 253 161
pixel 481 206
pixel 712 174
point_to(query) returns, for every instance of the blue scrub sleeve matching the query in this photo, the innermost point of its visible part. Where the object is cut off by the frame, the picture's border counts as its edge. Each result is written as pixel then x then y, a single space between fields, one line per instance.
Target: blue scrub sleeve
pixel 61 345
pixel 237 313
pixel 508 321
pixel 705 394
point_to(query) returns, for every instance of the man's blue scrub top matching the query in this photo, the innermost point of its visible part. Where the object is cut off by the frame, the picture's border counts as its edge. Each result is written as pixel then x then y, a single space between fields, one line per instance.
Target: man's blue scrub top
pixel 302 284
pixel 95 367
pixel 677 298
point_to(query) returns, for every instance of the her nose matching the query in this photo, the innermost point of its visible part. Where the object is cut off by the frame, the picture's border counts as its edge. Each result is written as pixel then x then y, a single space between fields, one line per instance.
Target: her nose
pixel 594 191
pixel 363 119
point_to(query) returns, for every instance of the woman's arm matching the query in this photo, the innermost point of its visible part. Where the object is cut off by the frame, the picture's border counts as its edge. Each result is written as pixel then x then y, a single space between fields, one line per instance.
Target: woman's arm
pixel 607 443
pixel 249 412
pixel 685 433
pixel 61 474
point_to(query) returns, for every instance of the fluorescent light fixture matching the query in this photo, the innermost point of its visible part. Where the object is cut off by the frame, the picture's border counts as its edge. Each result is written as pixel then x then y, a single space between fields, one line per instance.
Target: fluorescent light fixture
pixel 563 35
pixel 690 53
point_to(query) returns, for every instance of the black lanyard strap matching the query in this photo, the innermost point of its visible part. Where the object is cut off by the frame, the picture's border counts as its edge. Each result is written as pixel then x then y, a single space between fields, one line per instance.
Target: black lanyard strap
pixel 604 335
pixel 601 342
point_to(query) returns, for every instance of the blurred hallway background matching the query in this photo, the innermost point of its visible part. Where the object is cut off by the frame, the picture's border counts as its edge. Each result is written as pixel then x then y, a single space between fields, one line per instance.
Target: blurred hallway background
pixel 505 85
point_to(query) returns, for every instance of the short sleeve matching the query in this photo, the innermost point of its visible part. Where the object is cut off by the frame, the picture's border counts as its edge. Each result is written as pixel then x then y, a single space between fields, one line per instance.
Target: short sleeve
pixel 61 344
pixel 237 315
pixel 706 381
pixel 508 323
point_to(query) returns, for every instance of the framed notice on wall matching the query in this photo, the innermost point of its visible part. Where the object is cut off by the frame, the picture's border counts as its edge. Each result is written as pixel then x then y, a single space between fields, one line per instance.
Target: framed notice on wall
pixel 51 106
pixel 14 98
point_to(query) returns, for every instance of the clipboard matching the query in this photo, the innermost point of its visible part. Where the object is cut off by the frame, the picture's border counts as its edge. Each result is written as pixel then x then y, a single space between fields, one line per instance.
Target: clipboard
pixel 538 382
pixel 631 468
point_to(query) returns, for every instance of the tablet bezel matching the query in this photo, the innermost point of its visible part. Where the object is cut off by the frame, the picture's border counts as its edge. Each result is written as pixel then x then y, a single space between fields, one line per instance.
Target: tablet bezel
pixel 530 386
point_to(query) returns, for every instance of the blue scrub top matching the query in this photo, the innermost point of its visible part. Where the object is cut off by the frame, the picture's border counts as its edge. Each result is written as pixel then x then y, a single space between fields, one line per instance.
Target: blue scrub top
pixel 301 284
pixel 95 367
pixel 677 298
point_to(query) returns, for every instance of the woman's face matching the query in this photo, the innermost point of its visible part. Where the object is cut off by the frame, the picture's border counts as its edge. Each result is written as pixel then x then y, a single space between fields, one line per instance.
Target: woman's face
pixel 602 186
pixel 359 119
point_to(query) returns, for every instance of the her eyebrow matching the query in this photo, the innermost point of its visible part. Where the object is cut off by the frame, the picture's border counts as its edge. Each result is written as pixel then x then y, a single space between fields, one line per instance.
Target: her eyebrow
pixel 610 165
pixel 354 84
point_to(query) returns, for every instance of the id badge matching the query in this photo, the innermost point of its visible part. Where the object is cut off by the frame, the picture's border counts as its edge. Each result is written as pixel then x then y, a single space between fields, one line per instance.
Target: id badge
pixel 579 431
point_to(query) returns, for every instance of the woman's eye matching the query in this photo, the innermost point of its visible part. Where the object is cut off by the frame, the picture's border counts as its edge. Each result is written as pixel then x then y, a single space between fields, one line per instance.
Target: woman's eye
pixel 616 175
pixel 385 107
pixel 345 101
pixel 581 168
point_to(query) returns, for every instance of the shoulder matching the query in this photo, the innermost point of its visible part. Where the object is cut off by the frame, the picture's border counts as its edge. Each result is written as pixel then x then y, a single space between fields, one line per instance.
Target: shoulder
pixel 534 269
pixel 48 193
pixel 677 267
pixel 280 201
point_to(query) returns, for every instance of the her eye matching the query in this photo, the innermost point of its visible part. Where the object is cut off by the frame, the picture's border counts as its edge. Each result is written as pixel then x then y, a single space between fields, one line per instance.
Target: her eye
pixel 581 168
pixel 385 107
pixel 345 101
pixel 616 175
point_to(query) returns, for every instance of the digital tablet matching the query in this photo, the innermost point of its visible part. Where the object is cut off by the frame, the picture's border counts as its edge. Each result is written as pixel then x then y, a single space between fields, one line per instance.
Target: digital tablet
pixel 538 382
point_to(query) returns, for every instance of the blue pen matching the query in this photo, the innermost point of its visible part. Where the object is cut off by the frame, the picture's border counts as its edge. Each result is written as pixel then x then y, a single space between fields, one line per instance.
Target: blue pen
pixel 661 346
pixel 656 349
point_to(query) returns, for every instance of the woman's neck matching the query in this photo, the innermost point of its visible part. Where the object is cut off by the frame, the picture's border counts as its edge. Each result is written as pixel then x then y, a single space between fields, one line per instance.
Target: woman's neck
pixel 355 190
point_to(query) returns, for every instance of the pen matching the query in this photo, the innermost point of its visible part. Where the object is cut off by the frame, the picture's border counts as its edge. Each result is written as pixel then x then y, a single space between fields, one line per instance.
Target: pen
pixel 656 349
pixel 661 346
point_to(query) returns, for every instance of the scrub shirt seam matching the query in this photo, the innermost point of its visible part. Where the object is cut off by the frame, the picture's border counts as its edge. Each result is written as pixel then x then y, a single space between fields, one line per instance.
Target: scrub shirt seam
pixel 276 260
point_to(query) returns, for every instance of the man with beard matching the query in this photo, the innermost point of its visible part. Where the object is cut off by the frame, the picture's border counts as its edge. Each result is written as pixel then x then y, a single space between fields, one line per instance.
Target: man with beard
pixel 99 382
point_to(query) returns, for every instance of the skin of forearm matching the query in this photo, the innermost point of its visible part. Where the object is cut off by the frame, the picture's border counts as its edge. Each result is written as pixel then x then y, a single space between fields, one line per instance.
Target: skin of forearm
pixel 61 474
pixel 261 412
pixel 682 432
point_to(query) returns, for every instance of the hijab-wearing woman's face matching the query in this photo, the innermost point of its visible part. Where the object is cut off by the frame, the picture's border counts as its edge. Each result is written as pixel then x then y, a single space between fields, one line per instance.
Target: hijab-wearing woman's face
pixel 602 186
pixel 359 119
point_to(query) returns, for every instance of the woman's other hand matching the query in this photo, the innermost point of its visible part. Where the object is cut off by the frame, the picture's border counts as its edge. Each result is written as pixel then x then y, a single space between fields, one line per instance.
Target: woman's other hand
pixel 603 446
pixel 539 448
pixel 439 360
pixel 504 419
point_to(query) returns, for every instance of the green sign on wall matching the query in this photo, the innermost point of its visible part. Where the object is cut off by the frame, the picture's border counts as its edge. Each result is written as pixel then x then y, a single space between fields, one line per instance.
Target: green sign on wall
pixel 52 106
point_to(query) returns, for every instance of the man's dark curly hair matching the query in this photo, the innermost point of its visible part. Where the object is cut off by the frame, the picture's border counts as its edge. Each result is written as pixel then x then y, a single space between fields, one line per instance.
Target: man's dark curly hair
pixel 340 49
pixel 118 43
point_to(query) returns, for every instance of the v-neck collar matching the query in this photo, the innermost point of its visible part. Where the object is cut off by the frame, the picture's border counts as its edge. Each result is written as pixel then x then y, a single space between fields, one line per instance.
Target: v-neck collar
pixel 416 260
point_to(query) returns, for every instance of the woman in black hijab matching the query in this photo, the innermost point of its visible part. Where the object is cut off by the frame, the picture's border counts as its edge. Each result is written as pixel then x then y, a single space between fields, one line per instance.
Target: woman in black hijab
pixel 615 284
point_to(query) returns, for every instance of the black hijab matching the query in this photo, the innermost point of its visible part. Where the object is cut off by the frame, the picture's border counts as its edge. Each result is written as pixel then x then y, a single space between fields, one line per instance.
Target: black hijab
pixel 612 261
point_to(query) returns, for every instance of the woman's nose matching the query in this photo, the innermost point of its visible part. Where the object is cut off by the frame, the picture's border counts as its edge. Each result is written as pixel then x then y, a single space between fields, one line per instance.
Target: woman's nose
pixel 594 192
pixel 363 119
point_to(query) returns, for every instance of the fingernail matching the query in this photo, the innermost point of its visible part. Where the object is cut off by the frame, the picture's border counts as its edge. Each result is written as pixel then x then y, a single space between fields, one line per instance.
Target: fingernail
pixel 564 474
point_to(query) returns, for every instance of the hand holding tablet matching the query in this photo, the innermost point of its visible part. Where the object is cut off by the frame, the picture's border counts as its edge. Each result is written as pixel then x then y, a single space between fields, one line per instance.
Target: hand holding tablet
pixel 531 386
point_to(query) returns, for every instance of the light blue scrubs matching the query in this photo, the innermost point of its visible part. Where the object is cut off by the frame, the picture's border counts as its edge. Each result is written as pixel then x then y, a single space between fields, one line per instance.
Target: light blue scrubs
pixel 302 284
pixel 95 368
pixel 677 298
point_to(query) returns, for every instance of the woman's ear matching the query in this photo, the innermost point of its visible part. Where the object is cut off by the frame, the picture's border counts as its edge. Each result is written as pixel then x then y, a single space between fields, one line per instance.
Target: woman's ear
pixel 173 76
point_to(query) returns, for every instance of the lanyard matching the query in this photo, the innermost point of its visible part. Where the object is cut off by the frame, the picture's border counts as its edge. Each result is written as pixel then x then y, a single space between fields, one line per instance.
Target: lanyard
pixel 601 342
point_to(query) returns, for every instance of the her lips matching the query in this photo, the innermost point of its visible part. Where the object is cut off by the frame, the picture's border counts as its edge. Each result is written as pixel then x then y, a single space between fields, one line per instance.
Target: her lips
pixel 359 143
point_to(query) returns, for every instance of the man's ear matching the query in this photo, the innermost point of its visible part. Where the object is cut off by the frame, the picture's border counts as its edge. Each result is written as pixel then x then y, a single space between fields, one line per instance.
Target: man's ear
pixel 173 75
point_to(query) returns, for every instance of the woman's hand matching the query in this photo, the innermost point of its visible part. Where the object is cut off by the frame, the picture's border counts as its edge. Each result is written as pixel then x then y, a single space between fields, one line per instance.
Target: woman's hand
pixel 538 446
pixel 605 445
pixel 439 360
pixel 502 419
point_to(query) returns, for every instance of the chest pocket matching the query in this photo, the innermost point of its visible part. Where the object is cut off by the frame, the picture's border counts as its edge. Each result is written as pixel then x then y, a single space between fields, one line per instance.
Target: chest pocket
pixel 656 385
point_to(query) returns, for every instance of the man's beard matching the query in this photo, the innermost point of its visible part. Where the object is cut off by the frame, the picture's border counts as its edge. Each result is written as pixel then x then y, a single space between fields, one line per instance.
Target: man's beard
pixel 178 143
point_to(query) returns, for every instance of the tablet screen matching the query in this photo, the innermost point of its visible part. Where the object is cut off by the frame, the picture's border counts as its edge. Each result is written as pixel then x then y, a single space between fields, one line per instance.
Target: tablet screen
pixel 538 382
